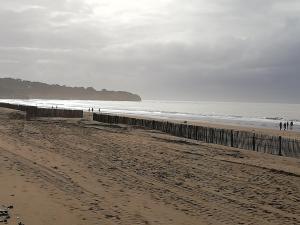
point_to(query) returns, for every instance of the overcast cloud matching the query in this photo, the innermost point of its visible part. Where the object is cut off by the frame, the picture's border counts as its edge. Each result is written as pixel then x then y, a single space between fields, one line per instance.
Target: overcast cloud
pixel 166 49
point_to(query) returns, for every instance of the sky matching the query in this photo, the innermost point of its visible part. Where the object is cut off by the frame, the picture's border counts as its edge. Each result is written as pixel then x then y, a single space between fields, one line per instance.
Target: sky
pixel 216 50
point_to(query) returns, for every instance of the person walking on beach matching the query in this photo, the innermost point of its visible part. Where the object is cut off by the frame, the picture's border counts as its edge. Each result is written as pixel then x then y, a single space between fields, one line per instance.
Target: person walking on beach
pixel 284 126
pixel 280 125
pixel 287 125
pixel 291 125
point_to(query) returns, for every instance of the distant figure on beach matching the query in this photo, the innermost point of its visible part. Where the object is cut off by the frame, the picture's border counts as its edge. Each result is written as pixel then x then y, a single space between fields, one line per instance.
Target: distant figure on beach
pixel 280 125
pixel 291 125
pixel 99 109
pixel 287 125
pixel 284 126
pixel 89 109
pixel 92 109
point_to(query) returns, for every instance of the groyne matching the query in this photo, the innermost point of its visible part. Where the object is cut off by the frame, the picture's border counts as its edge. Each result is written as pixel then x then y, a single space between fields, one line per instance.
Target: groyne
pixel 33 111
pixel 275 145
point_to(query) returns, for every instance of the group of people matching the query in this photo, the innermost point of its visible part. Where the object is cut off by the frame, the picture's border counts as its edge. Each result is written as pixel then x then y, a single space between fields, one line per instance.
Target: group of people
pixel 286 125
pixel 92 109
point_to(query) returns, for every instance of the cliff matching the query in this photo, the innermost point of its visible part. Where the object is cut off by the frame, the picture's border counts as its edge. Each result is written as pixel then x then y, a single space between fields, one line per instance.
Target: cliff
pixel 21 89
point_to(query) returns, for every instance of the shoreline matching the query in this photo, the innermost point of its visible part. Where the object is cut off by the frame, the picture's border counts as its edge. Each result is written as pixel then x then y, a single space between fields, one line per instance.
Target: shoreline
pixel 193 111
pixel 266 131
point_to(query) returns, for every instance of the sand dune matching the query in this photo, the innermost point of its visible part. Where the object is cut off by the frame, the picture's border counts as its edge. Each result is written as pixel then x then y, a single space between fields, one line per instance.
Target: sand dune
pixel 80 172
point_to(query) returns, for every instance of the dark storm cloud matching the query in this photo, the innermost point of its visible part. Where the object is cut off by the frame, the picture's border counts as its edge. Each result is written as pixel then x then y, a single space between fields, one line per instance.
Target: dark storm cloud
pixel 216 50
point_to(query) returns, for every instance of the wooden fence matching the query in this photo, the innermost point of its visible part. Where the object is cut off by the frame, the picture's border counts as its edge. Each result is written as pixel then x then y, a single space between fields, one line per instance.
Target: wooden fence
pixel 275 145
pixel 33 111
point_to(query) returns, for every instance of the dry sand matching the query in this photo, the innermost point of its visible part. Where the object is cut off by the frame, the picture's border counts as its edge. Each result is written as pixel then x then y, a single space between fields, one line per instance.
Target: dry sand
pixel 69 172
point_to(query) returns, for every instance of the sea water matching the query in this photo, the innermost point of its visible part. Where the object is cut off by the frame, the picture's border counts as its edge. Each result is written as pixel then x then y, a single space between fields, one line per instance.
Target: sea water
pixel 263 115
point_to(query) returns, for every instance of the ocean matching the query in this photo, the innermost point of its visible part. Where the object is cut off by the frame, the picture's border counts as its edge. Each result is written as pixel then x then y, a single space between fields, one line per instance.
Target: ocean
pixel 262 115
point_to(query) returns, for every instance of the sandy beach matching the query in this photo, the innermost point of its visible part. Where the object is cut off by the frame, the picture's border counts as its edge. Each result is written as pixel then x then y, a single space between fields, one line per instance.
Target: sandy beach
pixel 80 172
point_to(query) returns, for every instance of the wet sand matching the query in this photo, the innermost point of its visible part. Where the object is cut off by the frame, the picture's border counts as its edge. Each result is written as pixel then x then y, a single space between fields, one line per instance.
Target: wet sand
pixel 82 172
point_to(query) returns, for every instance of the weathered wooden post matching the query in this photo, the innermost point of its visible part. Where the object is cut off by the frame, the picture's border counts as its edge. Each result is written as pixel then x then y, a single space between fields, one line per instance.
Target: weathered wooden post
pixel 253 142
pixel 280 143
pixel 231 138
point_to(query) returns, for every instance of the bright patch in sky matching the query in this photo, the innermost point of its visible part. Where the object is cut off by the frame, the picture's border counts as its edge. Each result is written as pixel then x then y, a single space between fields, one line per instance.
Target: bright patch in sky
pixel 175 49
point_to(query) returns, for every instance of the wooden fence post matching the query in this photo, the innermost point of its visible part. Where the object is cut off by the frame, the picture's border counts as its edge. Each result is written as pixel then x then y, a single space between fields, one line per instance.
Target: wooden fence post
pixel 280 143
pixel 231 138
pixel 253 142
